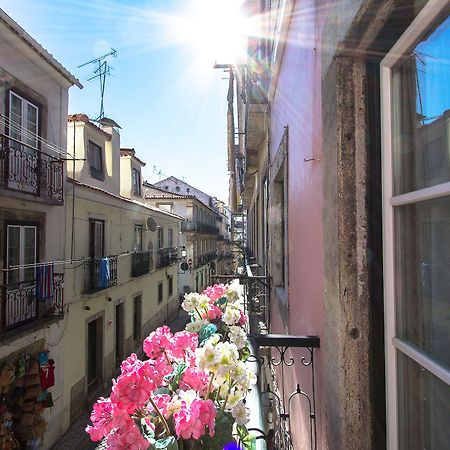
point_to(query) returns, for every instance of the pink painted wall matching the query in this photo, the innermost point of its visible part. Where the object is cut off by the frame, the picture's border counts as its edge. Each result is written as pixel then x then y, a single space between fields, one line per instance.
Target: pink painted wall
pixel 298 104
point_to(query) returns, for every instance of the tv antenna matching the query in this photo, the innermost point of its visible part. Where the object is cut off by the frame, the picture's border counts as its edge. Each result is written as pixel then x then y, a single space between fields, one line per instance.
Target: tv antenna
pixel 101 71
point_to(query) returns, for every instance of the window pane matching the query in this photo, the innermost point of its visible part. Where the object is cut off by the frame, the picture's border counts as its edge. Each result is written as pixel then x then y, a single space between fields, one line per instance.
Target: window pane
pixel 13 252
pixel 15 114
pixel 29 252
pixel 423 276
pixel 421 114
pixel 32 125
pixel 424 408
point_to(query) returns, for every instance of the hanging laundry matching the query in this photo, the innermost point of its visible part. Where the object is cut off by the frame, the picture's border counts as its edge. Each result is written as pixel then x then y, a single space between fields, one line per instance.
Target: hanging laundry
pixel 44 281
pixel 104 273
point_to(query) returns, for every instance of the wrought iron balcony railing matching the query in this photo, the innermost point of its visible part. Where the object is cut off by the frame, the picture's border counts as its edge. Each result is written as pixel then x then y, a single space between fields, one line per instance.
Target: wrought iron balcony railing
pixel 26 169
pixel 140 264
pixel 281 359
pixel 100 273
pixel 198 227
pixel 20 304
pixel 166 257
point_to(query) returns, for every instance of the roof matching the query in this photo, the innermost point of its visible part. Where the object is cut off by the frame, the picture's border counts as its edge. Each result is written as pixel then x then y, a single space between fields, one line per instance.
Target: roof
pixel 41 51
pixel 124 199
pixel 186 184
pixel 166 195
pixel 80 117
pixel 131 152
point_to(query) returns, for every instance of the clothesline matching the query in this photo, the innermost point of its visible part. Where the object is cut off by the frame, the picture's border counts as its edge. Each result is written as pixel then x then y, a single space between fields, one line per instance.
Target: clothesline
pixel 59 262
pixel 11 124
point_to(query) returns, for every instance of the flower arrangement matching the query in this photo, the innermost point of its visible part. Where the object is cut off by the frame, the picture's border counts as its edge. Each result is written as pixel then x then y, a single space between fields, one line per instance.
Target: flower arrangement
pixel 190 392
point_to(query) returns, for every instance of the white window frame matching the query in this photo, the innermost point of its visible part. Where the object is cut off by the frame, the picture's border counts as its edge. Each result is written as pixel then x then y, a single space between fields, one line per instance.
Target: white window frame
pixel 423 23
pixel 24 133
pixel 138 233
pixel 21 228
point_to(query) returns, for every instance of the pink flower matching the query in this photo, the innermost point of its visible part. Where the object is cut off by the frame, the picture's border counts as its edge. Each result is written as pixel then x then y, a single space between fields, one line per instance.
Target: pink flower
pixel 131 390
pixel 158 341
pixel 190 421
pixel 195 379
pixel 215 292
pixel 128 438
pixel 214 312
pixel 183 342
pixel 243 319
pixel 101 418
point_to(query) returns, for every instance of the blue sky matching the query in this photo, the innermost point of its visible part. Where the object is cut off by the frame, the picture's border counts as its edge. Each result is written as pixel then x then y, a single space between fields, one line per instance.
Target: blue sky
pixel 171 107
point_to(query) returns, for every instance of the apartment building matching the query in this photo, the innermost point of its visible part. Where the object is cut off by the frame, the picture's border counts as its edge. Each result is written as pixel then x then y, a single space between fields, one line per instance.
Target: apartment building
pixel 33 108
pixel 341 168
pixel 123 281
pixel 199 232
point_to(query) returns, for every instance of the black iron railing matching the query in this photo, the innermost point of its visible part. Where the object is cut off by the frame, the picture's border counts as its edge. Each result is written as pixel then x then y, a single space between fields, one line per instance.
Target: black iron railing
pixel 198 227
pixel 276 355
pixel 166 257
pixel 29 170
pixel 21 305
pixel 140 264
pixel 100 273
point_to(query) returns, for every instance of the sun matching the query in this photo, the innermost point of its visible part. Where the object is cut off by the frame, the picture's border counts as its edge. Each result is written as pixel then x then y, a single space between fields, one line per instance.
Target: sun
pixel 216 30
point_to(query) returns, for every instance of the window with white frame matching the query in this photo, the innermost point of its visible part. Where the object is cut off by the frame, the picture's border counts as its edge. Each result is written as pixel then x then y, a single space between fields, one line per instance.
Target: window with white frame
pixel 96 160
pixel 21 253
pixel 416 165
pixel 160 233
pixel 136 178
pixel 24 120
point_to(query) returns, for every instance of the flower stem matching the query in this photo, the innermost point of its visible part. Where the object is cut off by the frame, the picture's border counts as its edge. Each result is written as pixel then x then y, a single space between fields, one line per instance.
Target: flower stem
pixel 163 419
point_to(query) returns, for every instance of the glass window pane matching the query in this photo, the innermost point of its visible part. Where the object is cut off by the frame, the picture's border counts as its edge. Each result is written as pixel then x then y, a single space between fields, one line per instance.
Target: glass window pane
pixel 13 252
pixel 32 125
pixel 421 113
pixel 424 408
pixel 29 252
pixel 15 114
pixel 423 276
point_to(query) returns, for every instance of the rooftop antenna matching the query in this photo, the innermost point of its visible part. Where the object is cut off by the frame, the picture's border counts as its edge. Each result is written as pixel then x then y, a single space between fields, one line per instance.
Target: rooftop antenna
pixel 102 69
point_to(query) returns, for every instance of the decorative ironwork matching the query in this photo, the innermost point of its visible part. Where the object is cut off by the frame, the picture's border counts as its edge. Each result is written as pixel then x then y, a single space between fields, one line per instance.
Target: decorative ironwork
pixel 198 227
pixel 140 264
pixel 100 273
pixel 278 401
pixel 166 257
pixel 27 169
pixel 20 304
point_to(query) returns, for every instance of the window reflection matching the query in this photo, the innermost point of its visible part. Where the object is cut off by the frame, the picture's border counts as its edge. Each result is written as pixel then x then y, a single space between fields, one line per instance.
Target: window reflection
pixel 423 286
pixel 421 88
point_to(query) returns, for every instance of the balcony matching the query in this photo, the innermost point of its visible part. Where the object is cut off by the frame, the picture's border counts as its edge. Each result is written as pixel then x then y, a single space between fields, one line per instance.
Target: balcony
pixel 198 227
pixel 20 304
pixel 28 170
pixel 284 365
pixel 140 264
pixel 100 273
pixel 166 257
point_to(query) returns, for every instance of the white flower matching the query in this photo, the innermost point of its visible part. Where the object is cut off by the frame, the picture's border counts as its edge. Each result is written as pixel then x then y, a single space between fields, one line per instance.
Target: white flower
pixel 195 327
pixel 240 413
pixel 238 336
pixel 207 357
pixel 191 301
pixel 234 291
pixel 232 315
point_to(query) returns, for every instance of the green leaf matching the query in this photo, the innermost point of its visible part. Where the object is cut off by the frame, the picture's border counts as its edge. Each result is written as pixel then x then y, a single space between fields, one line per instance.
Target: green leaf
pixel 222 301
pixel 145 430
pixel 168 443
pixel 244 353
pixel 177 373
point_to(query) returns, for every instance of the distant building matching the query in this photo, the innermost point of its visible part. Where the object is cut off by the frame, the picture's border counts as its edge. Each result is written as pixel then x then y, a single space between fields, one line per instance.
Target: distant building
pixel 33 301
pixel 199 231
pixel 123 282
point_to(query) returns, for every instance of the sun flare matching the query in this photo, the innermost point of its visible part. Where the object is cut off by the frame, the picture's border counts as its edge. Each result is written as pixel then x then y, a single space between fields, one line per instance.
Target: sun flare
pixel 215 30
